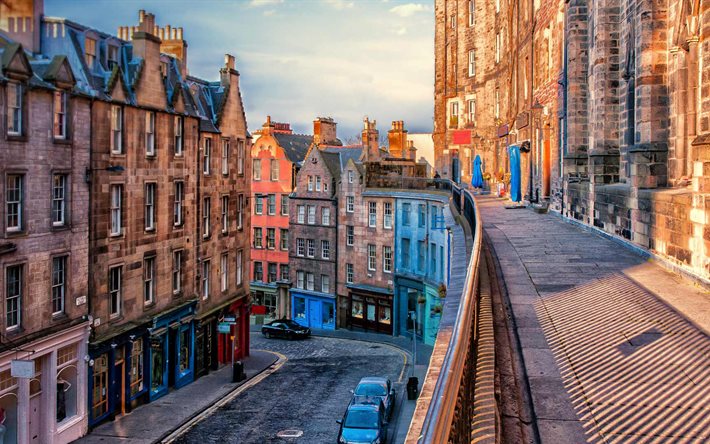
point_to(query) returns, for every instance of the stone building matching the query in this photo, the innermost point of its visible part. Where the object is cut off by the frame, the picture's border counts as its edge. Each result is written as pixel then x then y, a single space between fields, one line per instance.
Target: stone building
pixel 44 242
pixel 277 156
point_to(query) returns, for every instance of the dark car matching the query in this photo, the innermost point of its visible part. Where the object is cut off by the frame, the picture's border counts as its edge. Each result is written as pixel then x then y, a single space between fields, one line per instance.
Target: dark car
pixel 285 328
pixel 376 387
pixel 363 423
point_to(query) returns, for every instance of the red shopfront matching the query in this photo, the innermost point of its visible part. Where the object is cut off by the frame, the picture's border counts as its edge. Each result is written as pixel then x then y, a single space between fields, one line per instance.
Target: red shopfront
pixel 239 334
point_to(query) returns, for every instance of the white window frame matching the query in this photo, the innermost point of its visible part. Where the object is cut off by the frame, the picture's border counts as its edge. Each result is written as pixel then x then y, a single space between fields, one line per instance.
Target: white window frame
pixel 258 238
pixel 240 266
pixel 311 214
pixel 225 214
pixel 301 214
pixel 350 204
pixel 207 157
pixel 240 212
pixel 256 167
pixel 318 183
pixel 149 280
pixel 178 129
pixel 325 249
pixel 471 108
pixel 310 281
pixel 310 183
pixel 324 283
pixel 471 13
pixel 275 170
pixel 300 280
pixel 271 240
pixel 325 216
pixel 387 259
pixel 387 220
pixel 240 157
pixel 149 202
pixel 310 248
pixel 205 287
pixel 177 271
pixel 271 204
pixel 15 110
pixel 224 271
pixel 150 133
pixel 115 292
pixel 349 273
pixel 371 257
pixel 284 204
pixel 116 209
pixel 350 235
pixel 300 247
pixel 59 283
pixel 225 157
pixel 351 175
pixel 179 196
pixel 116 129
pixel 60 115
pixel 372 214
pixel 471 62
pixel 283 233
pixel 59 200
pixel 206 210
pixel 14 299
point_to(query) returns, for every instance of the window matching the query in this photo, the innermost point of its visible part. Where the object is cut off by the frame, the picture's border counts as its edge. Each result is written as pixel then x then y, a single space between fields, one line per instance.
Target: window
pixel 471 12
pixel 274 170
pixel 149 280
pixel 13 296
pixel 325 216
pixel 59 203
pixel 349 273
pixel 240 157
pixel 258 205
pixel 225 157
pixel 388 215
pixel 225 214
pixel 405 252
pixel 258 241
pixel 240 266
pixel 497 104
pixel 300 278
pixel 434 213
pixel 300 247
pixel 112 56
pixel 177 271
pixel 301 214
pixel 205 279
pixel 114 291
pixel 318 183
pixel 256 166
pixel 497 6
pixel 421 253
pixel 284 272
pixel 310 183
pixel 371 257
pixel 177 203
pixel 14 109
pixel 422 215
pixel 149 133
pixel 116 129
pixel 406 210
pixel 498 45
pixel 258 271
pixel 206 157
pixel 350 235
pixel 60 115
pixel 240 206
pixel 325 186
pixel 14 202
pixel 67 382
pixel 372 212
pixel 271 238
pixel 224 271
pixel 311 252
pixel 387 259
pixel 273 275
pixel 271 201
pixel 453 21
pixel 310 281
pixel 59 284
pixel 454 109
pixel 90 52
pixel 284 205
pixel 284 239
pixel 206 209
pixel 351 175
pixel 350 204
pixel 116 197
pixel 136 367
pixel 471 106
pixel 178 126
pixel 325 283
pixel 149 199
pixel 432 260
pixel 311 215
pixel 325 249
pixel 471 63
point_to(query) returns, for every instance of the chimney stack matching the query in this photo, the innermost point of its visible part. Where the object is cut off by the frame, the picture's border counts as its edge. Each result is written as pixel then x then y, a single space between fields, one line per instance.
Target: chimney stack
pixel 325 131
pixel 397 138
pixel 370 139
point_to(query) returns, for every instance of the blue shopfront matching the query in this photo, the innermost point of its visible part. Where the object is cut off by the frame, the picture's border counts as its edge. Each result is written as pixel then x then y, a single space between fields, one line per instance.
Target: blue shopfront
pixel 313 309
pixel 422 299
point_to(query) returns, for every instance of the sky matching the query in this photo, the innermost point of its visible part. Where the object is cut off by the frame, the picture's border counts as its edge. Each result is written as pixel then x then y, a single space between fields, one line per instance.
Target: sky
pixel 300 59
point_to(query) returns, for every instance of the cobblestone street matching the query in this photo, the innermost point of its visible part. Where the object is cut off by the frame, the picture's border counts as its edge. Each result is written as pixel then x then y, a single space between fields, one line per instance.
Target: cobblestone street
pixel 308 394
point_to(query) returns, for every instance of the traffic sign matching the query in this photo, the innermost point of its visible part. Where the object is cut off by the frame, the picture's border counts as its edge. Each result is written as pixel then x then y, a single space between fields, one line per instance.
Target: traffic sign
pixel 224 327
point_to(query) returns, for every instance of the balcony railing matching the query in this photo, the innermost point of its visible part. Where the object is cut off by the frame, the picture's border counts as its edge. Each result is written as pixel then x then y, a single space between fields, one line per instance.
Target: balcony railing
pixel 444 410
pixel 393 181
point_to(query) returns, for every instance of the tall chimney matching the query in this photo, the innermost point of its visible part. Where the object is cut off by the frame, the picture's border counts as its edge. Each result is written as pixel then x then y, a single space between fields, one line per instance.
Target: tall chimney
pixel 370 139
pixel 325 131
pixel 397 138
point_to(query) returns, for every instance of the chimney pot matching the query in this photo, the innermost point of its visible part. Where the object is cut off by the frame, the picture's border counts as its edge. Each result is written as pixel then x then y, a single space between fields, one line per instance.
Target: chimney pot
pixel 229 61
pixel 179 33
pixel 141 15
pixel 167 31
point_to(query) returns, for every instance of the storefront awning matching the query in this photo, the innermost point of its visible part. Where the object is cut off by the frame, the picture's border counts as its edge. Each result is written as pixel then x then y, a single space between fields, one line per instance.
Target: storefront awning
pixel 371 289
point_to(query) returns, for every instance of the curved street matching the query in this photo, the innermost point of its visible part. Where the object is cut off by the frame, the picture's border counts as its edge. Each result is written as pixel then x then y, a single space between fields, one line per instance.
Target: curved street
pixel 308 394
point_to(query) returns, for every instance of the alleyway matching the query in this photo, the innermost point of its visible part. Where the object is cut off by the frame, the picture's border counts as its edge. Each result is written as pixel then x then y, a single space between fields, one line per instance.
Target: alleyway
pixel 614 348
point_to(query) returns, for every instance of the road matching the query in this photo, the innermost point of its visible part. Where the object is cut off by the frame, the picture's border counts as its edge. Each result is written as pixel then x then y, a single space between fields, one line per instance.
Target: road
pixel 308 394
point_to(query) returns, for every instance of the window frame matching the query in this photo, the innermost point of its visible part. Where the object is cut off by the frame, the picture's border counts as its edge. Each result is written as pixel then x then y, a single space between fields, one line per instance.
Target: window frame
pixel 60 287
pixel 224 272
pixel 225 214
pixel 60 117
pixel 258 238
pixel 206 216
pixel 18 202
pixel 240 157
pixel 17 110
pixel 149 139
pixel 310 248
pixel 300 247
pixel 205 279
pixel 371 257
pixel 325 216
pixel 149 280
pixel 349 273
pixel 178 140
pixel 240 267
pixel 225 157
pixel 325 249
pixel 177 274
pixel 256 169
pixel 387 215
pixel 284 205
pixel 149 191
pixel 349 204
pixel 275 170
pixel 116 130
pixel 207 156
pixel 116 209
pixel 372 214
pixel 283 240
pixel 178 202
pixel 270 238
pixel 117 291
pixel 16 297
pixel 60 201
pixel 350 235
pixel 387 258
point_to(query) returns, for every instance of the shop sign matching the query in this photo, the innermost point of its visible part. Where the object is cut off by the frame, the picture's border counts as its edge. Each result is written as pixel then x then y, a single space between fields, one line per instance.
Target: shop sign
pixel 503 130
pixel 462 137
pixel 522 120
pixel 230 319
pixel 22 368
pixel 224 327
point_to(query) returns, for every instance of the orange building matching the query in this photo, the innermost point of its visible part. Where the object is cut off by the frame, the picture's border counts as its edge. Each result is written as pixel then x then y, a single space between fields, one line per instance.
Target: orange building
pixel 277 156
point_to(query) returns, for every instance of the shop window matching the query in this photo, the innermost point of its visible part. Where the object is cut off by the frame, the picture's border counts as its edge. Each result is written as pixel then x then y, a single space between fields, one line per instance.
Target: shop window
pixel 66 383
pixel 8 406
pixel 328 314
pixel 385 316
pixel 185 349
pixel 370 309
pixel 157 363
pixel 357 310
pixel 99 398
pixel 299 308
pixel 136 367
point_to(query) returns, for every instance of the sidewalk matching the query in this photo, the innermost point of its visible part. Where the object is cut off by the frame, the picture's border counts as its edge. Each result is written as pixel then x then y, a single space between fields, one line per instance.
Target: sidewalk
pixel 615 348
pixel 150 422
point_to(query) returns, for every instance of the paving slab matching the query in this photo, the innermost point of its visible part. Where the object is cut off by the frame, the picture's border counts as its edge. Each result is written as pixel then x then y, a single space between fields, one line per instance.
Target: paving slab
pixel 615 348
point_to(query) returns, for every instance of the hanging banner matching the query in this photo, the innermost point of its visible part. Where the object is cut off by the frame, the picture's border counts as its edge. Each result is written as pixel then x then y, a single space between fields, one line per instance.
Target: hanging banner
pixel 462 137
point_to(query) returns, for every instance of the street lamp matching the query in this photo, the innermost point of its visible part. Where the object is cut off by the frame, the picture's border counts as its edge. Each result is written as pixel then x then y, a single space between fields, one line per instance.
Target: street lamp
pixel 110 169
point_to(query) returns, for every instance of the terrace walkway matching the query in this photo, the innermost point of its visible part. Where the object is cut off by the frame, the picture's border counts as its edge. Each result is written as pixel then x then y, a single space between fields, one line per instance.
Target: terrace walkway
pixel 614 348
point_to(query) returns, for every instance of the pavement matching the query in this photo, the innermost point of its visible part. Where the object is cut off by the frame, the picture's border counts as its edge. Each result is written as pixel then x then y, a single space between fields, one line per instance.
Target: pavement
pixel 614 348
pixel 151 422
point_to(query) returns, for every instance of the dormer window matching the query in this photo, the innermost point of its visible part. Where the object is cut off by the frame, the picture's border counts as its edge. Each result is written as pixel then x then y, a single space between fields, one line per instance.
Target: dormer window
pixel 60 115
pixel 90 52
pixel 14 109
pixel 112 56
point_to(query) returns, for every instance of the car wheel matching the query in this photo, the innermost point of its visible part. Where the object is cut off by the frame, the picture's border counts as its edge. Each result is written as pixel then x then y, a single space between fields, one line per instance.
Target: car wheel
pixel 290 336
pixel 267 335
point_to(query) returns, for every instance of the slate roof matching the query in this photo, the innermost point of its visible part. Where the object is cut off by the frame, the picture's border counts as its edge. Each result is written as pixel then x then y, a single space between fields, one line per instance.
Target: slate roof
pixel 295 146
pixel 336 158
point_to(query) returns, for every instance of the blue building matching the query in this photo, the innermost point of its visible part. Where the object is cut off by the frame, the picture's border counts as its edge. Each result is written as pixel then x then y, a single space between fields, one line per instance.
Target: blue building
pixel 422 246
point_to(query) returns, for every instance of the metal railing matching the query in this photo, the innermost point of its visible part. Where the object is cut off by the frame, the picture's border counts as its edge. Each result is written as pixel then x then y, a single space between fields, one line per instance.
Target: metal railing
pixel 393 181
pixel 446 400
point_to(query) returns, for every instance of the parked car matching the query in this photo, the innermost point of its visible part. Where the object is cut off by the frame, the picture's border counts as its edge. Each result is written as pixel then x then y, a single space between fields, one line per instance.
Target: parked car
pixel 373 386
pixel 363 423
pixel 285 328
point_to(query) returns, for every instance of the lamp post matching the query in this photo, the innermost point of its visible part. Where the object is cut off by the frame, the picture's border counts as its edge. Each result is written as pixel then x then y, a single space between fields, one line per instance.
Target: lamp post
pixel 413 317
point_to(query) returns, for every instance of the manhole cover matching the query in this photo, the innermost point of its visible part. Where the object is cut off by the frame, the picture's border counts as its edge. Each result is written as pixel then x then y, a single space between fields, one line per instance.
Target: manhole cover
pixel 291 433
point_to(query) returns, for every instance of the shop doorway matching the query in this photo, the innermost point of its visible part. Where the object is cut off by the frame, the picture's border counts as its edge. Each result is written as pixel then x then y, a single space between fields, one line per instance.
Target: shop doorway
pixel 314 315
pixel 118 380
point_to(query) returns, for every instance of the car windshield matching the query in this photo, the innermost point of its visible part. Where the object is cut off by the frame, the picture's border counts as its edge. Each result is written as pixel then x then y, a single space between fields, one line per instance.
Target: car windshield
pixel 370 390
pixel 361 419
pixel 292 324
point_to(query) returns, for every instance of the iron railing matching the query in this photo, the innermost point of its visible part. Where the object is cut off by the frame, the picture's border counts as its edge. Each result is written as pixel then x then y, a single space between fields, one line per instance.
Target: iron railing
pixel 393 181
pixel 446 400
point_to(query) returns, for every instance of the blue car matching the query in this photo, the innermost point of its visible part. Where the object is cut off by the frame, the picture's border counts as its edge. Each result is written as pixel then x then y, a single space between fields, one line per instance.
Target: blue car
pixel 363 424
pixel 373 386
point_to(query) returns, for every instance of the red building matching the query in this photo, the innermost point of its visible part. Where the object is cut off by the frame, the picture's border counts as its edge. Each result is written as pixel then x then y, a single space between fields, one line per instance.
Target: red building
pixel 277 156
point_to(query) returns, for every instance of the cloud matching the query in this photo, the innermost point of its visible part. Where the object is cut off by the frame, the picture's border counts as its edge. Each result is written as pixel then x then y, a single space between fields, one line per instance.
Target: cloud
pixel 340 4
pixel 269 12
pixel 409 9
pixel 401 31
pixel 260 3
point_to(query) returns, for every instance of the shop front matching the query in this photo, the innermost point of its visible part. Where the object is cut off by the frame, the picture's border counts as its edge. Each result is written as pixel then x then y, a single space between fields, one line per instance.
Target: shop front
pixel 236 339
pixel 50 406
pixel 265 302
pixel 370 308
pixel 419 309
pixel 313 309
pixel 171 351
